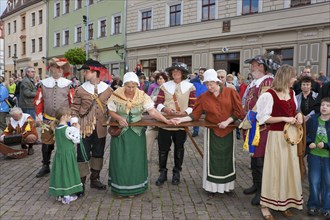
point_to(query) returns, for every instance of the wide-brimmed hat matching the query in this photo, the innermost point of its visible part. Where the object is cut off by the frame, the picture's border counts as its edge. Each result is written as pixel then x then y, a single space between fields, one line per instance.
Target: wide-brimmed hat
pixel 259 59
pixel 210 75
pixel 61 62
pixel 92 65
pixel 179 66
pixel 131 77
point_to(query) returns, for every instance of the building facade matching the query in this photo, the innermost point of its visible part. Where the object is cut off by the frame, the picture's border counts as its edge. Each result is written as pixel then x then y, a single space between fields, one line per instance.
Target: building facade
pixel 98 26
pixel 2 52
pixel 221 34
pixel 24 33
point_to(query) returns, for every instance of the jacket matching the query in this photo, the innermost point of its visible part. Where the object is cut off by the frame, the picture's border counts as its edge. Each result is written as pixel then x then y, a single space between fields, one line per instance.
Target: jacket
pixel 27 93
pixel 311 129
pixel 3 96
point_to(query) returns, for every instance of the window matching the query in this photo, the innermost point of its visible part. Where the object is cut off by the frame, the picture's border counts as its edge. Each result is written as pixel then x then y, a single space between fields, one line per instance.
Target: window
pixel 78 4
pixel 40 73
pixel 33 45
pixel 57 39
pixel 40 16
pixel 66 7
pixel 40 43
pixel 117 25
pixel 57 9
pixel 23 47
pixel 33 19
pixel 186 60
pixel 328 61
pixel 295 3
pixel 175 15
pixel 149 66
pixel 90 32
pixel 115 69
pixel 66 37
pixel 15 49
pixel 103 28
pixel 250 6
pixel 9 51
pixel 23 22
pixel 8 28
pixel 208 10
pixel 286 55
pixel 146 21
pixel 78 34
pixel 15 27
pixel 90 2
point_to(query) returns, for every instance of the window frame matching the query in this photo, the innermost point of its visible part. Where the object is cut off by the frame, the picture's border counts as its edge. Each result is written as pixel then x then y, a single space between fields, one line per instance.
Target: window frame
pixel 40 44
pixel 175 13
pixel 14 26
pixel 146 18
pixel 298 3
pixel 66 37
pixel 40 17
pixel 33 45
pixel 90 31
pixel 209 5
pixel 66 6
pixel 23 22
pixel 113 24
pixel 78 35
pixel 23 48
pixel 33 19
pixel 9 51
pixel 102 29
pixel 57 9
pixel 9 28
pixel 148 69
pixel 78 4
pixel 250 7
pixel 57 41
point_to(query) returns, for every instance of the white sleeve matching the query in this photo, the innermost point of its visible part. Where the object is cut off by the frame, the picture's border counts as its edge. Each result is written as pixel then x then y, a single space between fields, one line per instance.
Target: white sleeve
pixel 72 133
pixel 148 103
pixel 160 107
pixel 112 106
pixel 264 107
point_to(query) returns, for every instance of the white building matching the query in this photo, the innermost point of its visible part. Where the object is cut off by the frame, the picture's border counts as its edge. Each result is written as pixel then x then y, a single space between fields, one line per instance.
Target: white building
pixel 2 52
pixel 223 33
pixel 24 23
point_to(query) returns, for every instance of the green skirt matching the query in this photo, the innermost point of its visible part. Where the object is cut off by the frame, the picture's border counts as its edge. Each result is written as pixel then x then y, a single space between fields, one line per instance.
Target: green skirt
pixel 128 166
pixel 64 176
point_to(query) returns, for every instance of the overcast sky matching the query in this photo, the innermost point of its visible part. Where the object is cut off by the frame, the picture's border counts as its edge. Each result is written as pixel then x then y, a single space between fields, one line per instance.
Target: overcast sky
pixel 3 4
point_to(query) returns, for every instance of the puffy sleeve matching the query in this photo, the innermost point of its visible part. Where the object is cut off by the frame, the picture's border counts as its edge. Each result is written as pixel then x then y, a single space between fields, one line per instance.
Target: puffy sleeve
pixel 148 103
pixel 112 105
pixel 264 107
pixel 73 134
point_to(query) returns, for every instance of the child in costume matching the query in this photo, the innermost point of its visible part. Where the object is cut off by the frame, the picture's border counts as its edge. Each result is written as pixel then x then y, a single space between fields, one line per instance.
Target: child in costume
pixel 318 142
pixel 65 179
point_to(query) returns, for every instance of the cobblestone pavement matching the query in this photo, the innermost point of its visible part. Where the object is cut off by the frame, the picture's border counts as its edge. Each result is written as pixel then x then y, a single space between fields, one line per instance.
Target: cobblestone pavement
pixel 23 196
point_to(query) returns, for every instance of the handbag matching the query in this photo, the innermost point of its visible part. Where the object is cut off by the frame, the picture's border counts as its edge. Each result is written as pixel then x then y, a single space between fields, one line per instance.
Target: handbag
pixel 114 131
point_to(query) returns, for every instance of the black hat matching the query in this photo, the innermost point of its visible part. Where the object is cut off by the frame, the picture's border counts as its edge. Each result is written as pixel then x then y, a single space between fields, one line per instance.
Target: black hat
pixel 92 65
pixel 259 59
pixel 179 66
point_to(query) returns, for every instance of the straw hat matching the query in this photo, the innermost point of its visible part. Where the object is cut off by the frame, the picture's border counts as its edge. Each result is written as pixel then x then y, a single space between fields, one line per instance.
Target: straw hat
pixel 61 62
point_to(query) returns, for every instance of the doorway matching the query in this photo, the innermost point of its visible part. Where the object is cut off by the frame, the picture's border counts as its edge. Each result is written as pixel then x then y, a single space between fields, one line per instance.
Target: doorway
pixel 227 61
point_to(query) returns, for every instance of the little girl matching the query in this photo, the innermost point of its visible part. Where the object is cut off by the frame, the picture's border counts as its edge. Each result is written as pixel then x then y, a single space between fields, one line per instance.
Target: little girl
pixel 65 179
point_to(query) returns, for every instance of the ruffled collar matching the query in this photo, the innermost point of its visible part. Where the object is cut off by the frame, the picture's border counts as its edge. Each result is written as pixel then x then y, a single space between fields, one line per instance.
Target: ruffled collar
pixel 20 122
pixel 50 82
pixel 89 87
pixel 170 86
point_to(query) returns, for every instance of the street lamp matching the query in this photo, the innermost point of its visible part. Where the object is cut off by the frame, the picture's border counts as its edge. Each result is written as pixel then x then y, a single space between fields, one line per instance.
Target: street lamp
pixel 117 48
pixel 15 60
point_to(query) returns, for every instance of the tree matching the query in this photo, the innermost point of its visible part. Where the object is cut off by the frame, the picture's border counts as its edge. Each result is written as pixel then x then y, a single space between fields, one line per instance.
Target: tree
pixel 75 56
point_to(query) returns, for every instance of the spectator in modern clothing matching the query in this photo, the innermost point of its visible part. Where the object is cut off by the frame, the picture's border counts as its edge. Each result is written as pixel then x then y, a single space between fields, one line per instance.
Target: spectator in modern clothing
pixel 4 107
pixel 28 91
pixel 323 78
pixel 325 91
pixel 297 85
pixel 144 84
pixel 116 83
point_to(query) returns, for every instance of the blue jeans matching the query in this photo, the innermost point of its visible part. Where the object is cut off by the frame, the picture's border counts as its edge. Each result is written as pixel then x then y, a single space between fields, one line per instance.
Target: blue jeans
pixel 196 129
pixel 319 182
pixel 30 111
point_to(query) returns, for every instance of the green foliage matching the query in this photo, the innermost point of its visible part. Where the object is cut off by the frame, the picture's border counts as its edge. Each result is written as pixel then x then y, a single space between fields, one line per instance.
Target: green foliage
pixel 75 56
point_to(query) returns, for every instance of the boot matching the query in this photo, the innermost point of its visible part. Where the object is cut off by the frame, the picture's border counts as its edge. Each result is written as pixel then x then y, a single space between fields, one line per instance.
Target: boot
pixel 178 160
pixel 30 149
pixel 162 168
pixel 176 177
pixel 256 199
pixel 95 180
pixel 83 181
pixel 46 154
pixel 250 190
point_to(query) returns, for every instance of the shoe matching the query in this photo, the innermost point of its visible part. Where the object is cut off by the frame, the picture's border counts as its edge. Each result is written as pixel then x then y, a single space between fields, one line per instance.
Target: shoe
pixel 59 198
pixel 266 214
pixel 30 151
pixel 326 214
pixel 194 134
pixel 162 178
pixel 313 211
pixel 256 199
pixel 96 183
pixel 43 171
pixel 287 213
pixel 250 190
pixel 176 178
pixel 68 199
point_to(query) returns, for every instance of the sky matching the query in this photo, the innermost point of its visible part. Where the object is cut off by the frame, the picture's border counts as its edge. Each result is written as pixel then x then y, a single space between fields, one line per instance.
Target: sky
pixel 3 4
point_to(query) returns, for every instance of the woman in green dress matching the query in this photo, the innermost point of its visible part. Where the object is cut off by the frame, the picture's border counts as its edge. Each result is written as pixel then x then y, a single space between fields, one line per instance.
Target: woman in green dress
pixel 64 180
pixel 128 167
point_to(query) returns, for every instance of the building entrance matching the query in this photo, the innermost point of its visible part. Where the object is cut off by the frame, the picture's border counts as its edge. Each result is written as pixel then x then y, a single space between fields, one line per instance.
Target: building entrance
pixel 227 61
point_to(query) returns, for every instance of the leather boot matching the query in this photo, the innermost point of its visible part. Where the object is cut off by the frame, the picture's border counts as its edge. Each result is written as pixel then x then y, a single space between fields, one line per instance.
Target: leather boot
pixel 250 190
pixel 95 180
pixel 178 160
pixel 83 181
pixel 30 149
pixel 46 154
pixel 162 168
pixel 256 199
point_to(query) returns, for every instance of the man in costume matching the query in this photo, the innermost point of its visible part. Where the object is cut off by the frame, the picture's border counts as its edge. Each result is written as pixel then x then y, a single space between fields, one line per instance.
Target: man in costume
pixel 21 123
pixel 53 93
pixel 260 66
pixel 89 109
pixel 176 97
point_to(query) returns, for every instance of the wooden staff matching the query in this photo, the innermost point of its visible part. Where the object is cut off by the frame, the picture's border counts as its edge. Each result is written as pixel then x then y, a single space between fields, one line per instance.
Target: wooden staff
pixel 148 121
